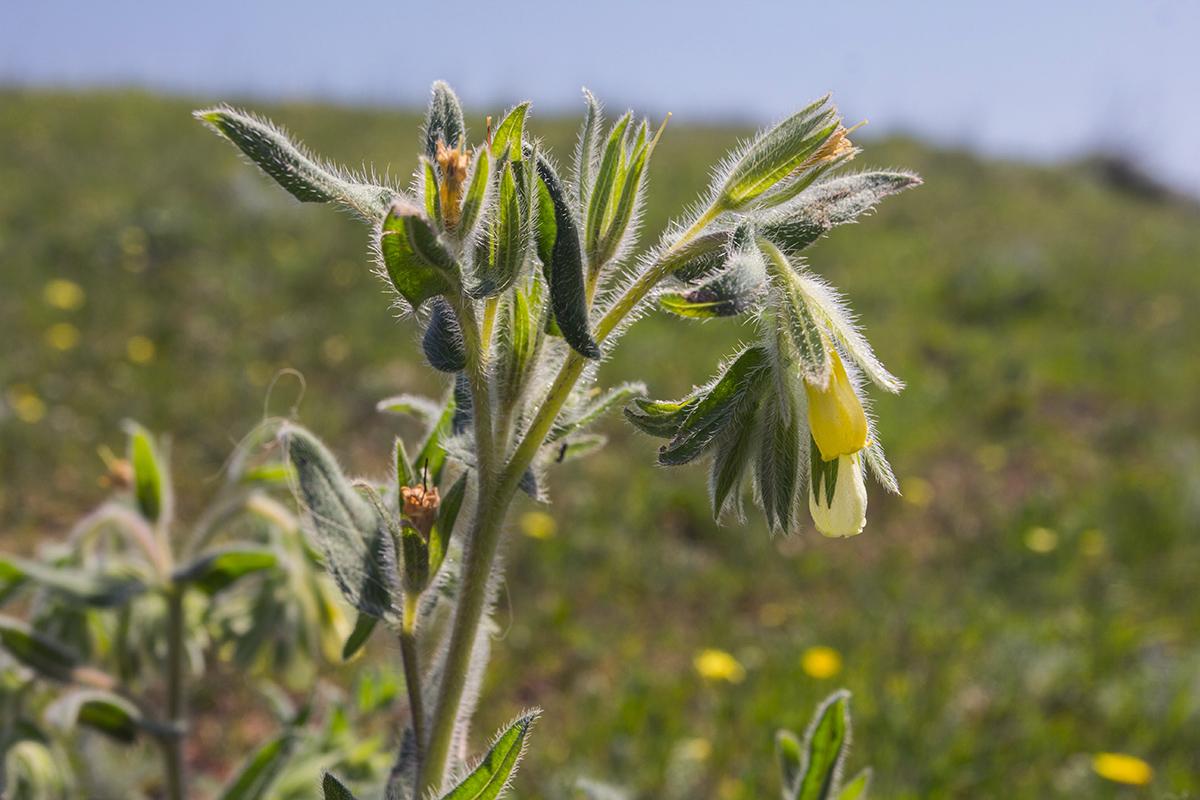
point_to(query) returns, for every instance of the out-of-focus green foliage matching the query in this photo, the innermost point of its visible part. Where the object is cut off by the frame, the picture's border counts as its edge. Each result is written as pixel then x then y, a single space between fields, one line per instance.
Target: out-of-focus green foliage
pixel 1027 603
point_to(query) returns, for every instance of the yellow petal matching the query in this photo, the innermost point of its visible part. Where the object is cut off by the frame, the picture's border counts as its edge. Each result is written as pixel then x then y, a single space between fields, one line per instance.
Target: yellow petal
pixel 717 665
pixel 835 415
pixel 821 662
pixel 1121 768
pixel 846 515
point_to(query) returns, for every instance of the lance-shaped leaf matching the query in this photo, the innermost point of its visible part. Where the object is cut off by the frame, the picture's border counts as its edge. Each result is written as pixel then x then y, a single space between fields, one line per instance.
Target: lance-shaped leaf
pixel 444 119
pixel 431 457
pixel 307 178
pixel 778 462
pixel 433 198
pixel 792 312
pixel 334 789
pixel 219 570
pixel 586 154
pixel 518 336
pixel 364 626
pixel 825 746
pixel 254 779
pixel 510 134
pixel 442 341
pixel 509 240
pixel 600 403
pixel 789 754
pixel 417 264
pixel 625 203
pixel 108 713
pixel 776 153
pixel 739 289
pixel 475 198
pixel 443 527
pixel 490 778
pixel 43 655
pixel 739 383
pixel 661 418
pixel 412 405
pixel 830 203
pixel 87 587
pixel 357 546
pixel 565 269
pixel 608 184
pixel 858 787
pixel 731 457
pixel 151 485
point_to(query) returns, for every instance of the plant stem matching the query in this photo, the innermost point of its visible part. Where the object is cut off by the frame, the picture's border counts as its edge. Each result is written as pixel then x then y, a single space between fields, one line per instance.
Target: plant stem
pixel 496 492
pixel 412 671
pixel 173 741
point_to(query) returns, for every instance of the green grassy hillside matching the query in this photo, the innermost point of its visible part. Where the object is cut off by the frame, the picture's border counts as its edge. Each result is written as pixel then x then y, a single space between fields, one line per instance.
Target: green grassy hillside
pixel 1029 602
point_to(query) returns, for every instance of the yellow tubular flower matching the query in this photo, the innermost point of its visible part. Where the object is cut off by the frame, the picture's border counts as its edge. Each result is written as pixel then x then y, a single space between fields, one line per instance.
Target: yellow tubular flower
pixel 835 415
pixel 846 513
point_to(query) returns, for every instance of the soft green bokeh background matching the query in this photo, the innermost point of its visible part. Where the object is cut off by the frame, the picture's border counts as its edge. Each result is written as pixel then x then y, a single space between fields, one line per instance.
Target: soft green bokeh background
pixel 1031 601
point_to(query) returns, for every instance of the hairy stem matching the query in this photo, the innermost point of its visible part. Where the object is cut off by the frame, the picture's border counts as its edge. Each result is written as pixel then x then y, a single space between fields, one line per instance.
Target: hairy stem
pixel 173 742
pixel 412 671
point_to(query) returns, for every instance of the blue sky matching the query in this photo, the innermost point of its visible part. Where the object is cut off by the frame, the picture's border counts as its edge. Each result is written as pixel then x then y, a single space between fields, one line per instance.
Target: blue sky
pixel 1037 79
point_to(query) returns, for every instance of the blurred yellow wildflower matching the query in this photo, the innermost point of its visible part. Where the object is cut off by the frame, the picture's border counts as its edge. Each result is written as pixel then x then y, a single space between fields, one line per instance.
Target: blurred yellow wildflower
pixel 62 336
pixel 1122 768
pixel 821 662
pixel 1041 540
pixel 917 491
pixel 139 349
pixel 538 525
pixel 697 749
pixel 26 405
pixel 835 414
pixel 718 665
pixel 63 294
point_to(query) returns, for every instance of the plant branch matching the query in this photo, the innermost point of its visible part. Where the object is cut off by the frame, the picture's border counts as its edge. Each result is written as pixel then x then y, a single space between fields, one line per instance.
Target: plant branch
pixel 173 745
pixel 412 671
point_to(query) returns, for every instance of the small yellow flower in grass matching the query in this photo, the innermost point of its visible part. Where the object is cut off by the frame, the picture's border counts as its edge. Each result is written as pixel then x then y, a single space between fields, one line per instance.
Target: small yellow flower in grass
pixel 1041 540
pixel 538 525
pixel 139 349
pixel 63 294
pixel 821 662
pixel 717 665
pixel 835 414
pixel 62 336
pixel 26 405
pixel 917 491
pixel 1122 768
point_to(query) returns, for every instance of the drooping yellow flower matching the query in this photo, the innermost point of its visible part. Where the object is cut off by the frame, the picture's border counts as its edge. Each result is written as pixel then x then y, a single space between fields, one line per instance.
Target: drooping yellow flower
pixel 835 414
pixel 717 665
pixel 1122 768
pixel 844 513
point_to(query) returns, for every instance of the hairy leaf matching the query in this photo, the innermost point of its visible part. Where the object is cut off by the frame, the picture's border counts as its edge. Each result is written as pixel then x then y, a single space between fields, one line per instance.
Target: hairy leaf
pixel 443 528
pixel 305 177
pixel 364 626
pixel 565 270
pixel 510 134
pixel 825 746
pixel 730 459
pixel 585 151
pixel 608 183
pixel 412 405
pixel 778 463
pixel 476 195
pixel 858 787
pixel 444 119
pixel 334 789
pixel 417 264
pixel 789 753
pixel 595 407
pixel 43 655
pixel 108 713
pixel 442 342
pixel 151 487
pixel 739 289
pixel 661 418
pixel 491 777
pixel 87 587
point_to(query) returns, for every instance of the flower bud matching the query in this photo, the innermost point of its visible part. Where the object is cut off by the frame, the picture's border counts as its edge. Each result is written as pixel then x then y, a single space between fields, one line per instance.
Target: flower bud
pixel 837 497
pixel 420 507
pixel 835 414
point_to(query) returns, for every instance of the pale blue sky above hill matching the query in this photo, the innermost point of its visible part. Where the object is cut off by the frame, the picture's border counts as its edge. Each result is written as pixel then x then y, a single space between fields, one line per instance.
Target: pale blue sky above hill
pixel 1037 79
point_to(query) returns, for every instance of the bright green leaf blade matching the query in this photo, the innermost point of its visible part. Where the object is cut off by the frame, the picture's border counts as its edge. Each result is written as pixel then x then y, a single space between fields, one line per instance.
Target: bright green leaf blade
pixel 778 462
pixel 256 776
pixel 606 184
pixel 825 748
pixel 731 457
pixel 431 458
pixel 149 481
pixel 476 195
pixel 661 418
pixel 364 626
pixel 292 167
pixel 496 769
pixel 108 713
pixel 219 570
pixel 789 753
pixel 857 788
pixel 417 264
pixel 510 134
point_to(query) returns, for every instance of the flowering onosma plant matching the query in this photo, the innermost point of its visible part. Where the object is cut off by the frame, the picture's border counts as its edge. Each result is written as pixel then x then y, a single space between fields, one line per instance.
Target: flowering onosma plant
pixel 523 276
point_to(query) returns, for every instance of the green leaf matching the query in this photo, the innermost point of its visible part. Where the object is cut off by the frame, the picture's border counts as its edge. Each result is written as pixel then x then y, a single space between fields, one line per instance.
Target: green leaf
pixel 405 475
pixel 776 153
pixel 443 528
pixel 150 486
pixel 31 772
pixel 599 404
pixel 565 270
pixel 738 383
pixel 822 472
pixel 431 458
pixel 40 653
pixel 661 418
pixel 731 456
pixel 491 777
pixel 442 341
pixel 794 314
pixel 216 571
pixel 413 405
pixel 778 462
pixel 518 335
pixel 831 203
pixel 308 179
pixel 256 776
pixel 825 746
pixel 510 134
pixel 444 119
pixel 578 445
pixel 103 590
pixel 476 194
pixel 364 626
pixel 356 544
pixel 626 203
pixel 509 241
pixel 585 153
pixel 699 258
pixel 789 753
pixel 858 787
pixel 334 789
pixel 739 289
pixel 108 713
pixel 417 264
pixel 607 183
pixel 433 198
